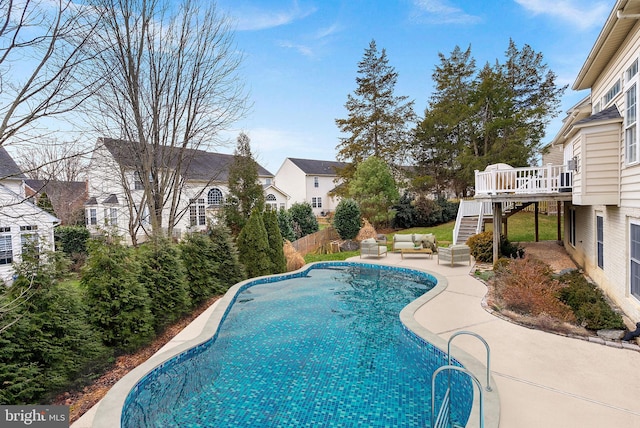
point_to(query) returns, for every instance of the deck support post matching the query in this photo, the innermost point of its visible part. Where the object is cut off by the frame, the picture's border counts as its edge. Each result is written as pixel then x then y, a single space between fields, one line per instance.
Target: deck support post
pixel 536 225
pixel 558 219
pixel 497 223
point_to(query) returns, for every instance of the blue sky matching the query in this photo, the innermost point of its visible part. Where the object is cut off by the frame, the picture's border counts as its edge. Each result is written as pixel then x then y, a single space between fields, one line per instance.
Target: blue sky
pixel 301 56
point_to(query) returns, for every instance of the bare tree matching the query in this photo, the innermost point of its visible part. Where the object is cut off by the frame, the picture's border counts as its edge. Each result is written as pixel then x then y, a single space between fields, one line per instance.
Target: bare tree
pixel 170 85
pixel 49 160
pixel 42 43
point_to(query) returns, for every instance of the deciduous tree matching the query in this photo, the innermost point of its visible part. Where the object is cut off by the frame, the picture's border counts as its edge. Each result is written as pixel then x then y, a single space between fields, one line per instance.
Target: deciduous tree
pixel 375 190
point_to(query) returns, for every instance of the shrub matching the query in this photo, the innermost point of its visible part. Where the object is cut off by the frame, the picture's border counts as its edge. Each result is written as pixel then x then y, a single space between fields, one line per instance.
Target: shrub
pixel 481 245
pixel 276 253
pixel 199 257
pixel 163 275
pixel 119 303
pixel 253 245
pixel 229 270
pixel 588 303
pixel 51 345
pixel 303 218
pixel 348 219
pixel 71 239
pixel 286 225
pixel 526 286
pixel 405 213
pixel 294 260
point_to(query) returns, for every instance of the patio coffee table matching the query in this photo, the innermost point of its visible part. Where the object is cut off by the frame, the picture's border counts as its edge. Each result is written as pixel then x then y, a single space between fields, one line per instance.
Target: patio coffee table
pixel 426 251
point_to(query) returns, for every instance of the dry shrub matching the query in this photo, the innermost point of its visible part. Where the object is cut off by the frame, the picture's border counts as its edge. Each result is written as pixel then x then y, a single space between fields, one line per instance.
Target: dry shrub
pixel 527 287
pixel 294 260
pixel 366 231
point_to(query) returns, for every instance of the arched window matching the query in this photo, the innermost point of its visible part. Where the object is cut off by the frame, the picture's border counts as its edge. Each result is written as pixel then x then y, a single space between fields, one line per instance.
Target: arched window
pixel 271 202
pixel 215 197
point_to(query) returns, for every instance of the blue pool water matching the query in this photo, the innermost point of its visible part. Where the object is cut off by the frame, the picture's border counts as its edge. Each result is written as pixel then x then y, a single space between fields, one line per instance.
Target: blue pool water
pixel 321 348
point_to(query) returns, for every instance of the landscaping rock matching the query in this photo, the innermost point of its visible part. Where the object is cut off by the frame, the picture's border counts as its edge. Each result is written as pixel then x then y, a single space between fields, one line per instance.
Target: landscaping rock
pixel 611 334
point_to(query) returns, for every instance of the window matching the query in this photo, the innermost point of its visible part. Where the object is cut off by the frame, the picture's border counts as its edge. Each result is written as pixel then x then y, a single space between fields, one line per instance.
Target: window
pixel 572 226
pixel 92 216
pixel 316 202
pixel 214 197
pixel 630 132
pixel 268 181
pixel 29 240
pixel 111 216
pixel 634 252
pixel 271 202
pixel 197 216
pixel 316 182
pixel 632 70
pixel 612 92
pixel 6 249
pixel 137 180
pixel 600 240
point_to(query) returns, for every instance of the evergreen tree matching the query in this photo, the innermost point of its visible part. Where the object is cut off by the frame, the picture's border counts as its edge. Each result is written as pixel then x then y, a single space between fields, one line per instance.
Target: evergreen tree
pixel 225 253
pixel 50 343
pixel 276 242
pixel 477 118
pixel 253 245
pixel 203 273
pixel 378 121
pixel 245 190
pixel 304 221
pixel 119 303
pixel 163 275
pixel 347 220
pixel 286 225
pixel 375 190
pixel 441 136
pixel 45 203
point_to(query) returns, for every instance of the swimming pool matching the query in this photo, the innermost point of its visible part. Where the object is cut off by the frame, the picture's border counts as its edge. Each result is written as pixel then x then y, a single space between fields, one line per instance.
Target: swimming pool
pixel 321 347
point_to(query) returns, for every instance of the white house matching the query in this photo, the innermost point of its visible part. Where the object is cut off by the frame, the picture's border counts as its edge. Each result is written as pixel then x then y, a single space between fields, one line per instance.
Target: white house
pixel 307 180
pixel 599 180
pixel 205 176
pixel 21 222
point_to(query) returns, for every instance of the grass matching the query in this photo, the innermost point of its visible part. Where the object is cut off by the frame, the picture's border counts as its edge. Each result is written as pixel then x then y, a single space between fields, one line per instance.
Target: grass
pixel 342 255
pixel 520 229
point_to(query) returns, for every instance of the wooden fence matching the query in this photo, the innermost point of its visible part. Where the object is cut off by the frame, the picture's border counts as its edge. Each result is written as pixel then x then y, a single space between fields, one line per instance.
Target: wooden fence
pixel 310 243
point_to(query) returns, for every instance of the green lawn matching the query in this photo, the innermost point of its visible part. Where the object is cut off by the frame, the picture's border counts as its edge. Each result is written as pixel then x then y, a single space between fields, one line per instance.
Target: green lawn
pixel 520 229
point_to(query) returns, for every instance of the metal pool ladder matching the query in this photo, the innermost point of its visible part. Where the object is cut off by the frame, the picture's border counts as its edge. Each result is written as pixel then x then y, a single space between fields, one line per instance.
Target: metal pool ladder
pixel 442 420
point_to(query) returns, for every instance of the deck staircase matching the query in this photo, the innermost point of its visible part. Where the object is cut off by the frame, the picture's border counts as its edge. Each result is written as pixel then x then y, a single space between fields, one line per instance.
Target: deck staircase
pixel 473 215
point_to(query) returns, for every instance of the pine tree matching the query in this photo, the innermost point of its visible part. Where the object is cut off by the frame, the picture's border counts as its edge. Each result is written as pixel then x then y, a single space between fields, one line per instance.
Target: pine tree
pixel 378 121
pixel 276 243
pixel 253 245
pixel 245 190
pixel 163 275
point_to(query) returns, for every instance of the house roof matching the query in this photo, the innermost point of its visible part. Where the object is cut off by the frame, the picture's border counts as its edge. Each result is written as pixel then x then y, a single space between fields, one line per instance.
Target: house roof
pixel 201 165
pixel 611 37
pixel 78 188
pixel 8 167
pixel 18 208
pixel 608 114
pixel 318 167
pixel 112 199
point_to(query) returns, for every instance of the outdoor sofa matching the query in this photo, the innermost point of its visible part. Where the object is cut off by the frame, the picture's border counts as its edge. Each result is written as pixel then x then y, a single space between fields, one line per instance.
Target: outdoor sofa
pixel 409 241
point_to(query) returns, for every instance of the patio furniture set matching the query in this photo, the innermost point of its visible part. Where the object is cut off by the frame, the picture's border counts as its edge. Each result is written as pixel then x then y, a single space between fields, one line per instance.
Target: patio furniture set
pixel 416 243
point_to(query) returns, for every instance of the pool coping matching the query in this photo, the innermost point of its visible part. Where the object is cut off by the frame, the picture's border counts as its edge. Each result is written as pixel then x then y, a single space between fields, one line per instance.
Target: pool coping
pixel 109 410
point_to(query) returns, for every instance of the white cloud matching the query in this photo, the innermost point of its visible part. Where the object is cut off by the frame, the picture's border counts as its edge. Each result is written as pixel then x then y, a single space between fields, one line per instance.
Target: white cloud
pixel 252 18
pixel 578 13
pixel 441 11
pixel 303 49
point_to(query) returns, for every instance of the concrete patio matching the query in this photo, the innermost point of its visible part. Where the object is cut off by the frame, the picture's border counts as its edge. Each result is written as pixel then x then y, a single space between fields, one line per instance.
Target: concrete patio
pixel 544 380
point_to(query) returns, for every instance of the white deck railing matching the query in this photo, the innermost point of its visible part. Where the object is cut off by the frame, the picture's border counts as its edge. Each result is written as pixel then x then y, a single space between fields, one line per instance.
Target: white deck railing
pixel 542 179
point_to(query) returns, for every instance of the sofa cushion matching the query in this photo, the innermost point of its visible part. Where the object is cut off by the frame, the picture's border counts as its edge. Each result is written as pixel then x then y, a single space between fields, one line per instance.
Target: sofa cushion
pixel 403 238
